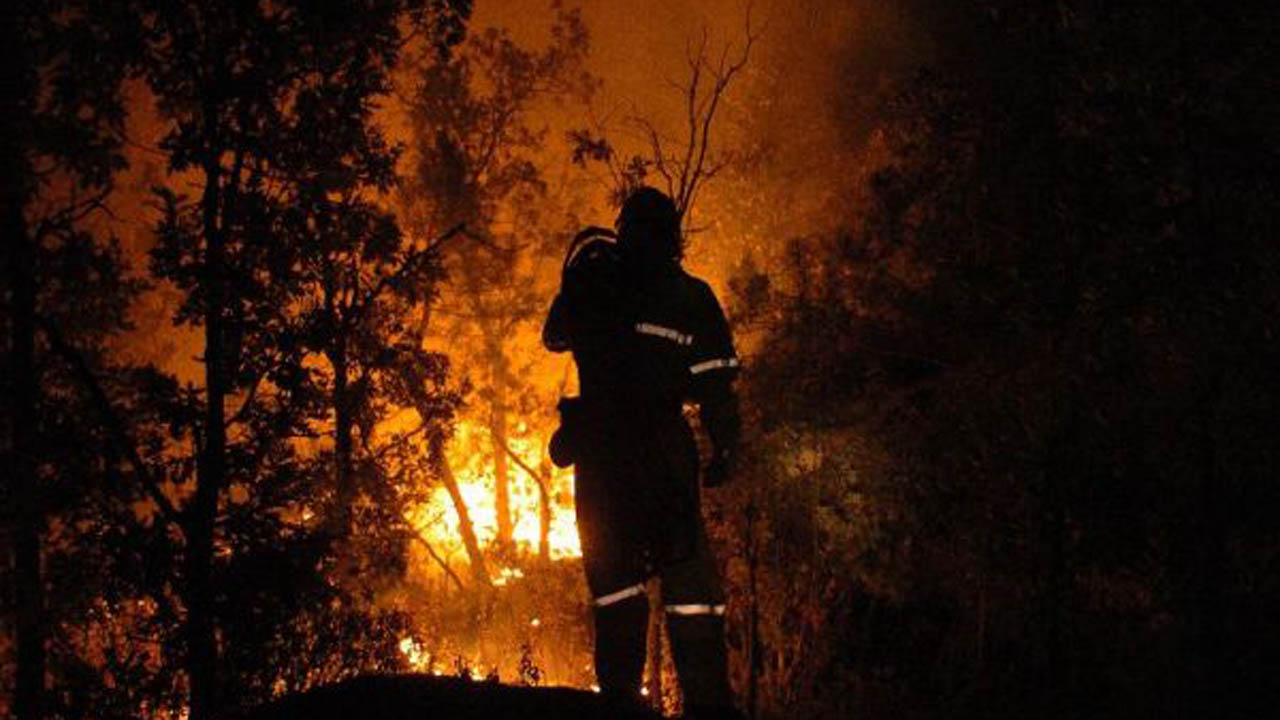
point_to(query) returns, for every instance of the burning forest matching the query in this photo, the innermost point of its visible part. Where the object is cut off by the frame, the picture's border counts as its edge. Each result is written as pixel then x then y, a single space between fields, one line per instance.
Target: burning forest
pixel 531 358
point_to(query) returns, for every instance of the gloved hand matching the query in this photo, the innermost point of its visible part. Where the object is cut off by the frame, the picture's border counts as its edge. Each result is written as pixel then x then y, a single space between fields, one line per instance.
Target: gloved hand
pixel 559 450
pixel 718 470
pixel 563 447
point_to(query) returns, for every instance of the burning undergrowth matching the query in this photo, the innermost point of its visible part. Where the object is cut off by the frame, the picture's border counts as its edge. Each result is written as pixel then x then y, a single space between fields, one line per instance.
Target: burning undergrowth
pixel 512 607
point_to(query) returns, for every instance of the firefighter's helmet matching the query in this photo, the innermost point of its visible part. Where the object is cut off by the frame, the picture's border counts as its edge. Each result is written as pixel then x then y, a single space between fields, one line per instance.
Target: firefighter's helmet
pixel 649 227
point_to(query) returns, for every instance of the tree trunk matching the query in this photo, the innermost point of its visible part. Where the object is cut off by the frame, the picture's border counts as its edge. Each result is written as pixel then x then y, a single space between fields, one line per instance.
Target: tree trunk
pixel 29 580
pixel 1054 599
pixel 1210 612
pixel 465 528
pixel 202 653
pixel 544 508
pixel 1063 462
pixel 29 687
pixel 754 659
pixel 493 334
pixel 657 623
pixel 542 478
pixel 448 571
pixel 498 433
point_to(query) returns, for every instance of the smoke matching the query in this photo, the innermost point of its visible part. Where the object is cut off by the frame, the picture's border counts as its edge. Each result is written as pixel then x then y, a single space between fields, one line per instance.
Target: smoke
pixel 799 117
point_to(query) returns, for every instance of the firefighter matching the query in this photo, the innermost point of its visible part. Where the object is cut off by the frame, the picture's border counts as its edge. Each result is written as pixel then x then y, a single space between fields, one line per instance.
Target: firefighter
pixel 647 338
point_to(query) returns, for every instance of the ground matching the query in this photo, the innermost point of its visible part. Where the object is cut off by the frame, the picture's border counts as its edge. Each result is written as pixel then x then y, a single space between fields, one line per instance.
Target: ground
pixel 425 697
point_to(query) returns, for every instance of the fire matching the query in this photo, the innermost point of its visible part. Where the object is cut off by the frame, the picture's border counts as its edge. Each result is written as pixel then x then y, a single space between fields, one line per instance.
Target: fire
pixel 481 607
pixel 438 518
pixel 419 659
pixel 528 625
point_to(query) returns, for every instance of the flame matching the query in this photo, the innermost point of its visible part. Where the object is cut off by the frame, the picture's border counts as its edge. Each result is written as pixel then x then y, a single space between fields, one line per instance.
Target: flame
pixel 438 521
pixel 506 575
pixel 419 659
pixel 531 628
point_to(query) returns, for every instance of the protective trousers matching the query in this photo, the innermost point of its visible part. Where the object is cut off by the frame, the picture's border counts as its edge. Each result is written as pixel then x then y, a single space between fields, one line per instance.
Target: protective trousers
pixel 638 517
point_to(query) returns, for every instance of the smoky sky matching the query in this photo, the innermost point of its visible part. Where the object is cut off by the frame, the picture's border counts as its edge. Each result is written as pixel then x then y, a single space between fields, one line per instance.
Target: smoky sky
pixel 817 69
pixel 807 101
pixel 804 107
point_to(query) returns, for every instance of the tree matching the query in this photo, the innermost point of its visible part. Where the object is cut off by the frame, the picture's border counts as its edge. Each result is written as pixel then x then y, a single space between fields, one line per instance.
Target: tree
pixel 59 151
pixel 366 282
pixel 243 88
pixel 474 149
pixel 1021 340
pixel 686 162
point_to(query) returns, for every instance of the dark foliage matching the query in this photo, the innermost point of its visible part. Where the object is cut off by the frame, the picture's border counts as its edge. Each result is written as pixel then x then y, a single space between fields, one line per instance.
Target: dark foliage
pixel 163 551
pixel 283 259
pixel 62 286
pixel 1032 383
pixel 1012 431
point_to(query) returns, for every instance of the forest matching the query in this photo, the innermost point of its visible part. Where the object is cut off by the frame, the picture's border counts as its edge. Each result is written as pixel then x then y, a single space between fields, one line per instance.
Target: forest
pixel 1003 276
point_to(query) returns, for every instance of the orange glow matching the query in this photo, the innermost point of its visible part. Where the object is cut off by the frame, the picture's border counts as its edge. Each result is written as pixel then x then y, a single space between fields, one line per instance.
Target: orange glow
pixel 545 605
pixel 437 519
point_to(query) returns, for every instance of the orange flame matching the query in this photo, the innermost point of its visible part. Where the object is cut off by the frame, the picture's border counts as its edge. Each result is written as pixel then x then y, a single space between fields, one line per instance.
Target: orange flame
pixel 437 519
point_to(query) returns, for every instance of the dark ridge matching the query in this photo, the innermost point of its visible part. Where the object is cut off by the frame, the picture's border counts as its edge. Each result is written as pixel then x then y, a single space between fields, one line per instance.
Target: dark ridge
pixel 427 697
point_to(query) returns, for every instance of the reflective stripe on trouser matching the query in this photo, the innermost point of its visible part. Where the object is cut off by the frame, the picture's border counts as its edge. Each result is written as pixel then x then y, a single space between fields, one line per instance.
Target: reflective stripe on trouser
pixel 694 610
pixel 694 604
pixel 621 620
pixel 619 595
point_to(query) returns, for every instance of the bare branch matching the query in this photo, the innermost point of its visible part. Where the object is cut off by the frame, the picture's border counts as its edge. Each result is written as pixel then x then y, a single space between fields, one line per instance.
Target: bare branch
pixel 659 156
pixel 247 405
pixel 537 477
pixel 689 167
pixel 75 211
pixel 723 77
pixel 691 112
pixel 400 441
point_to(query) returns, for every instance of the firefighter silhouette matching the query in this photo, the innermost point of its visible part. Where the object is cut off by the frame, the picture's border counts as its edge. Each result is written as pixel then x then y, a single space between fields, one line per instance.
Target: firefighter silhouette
pixel 647 338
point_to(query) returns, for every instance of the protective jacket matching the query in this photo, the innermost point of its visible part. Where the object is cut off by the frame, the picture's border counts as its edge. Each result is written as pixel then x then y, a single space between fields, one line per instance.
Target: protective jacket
pixel 644 345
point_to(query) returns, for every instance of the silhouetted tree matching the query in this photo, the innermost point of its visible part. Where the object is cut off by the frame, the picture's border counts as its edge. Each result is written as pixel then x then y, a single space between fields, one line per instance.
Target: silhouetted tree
pixel 59 148
pixel 268 110
pixel 683 163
